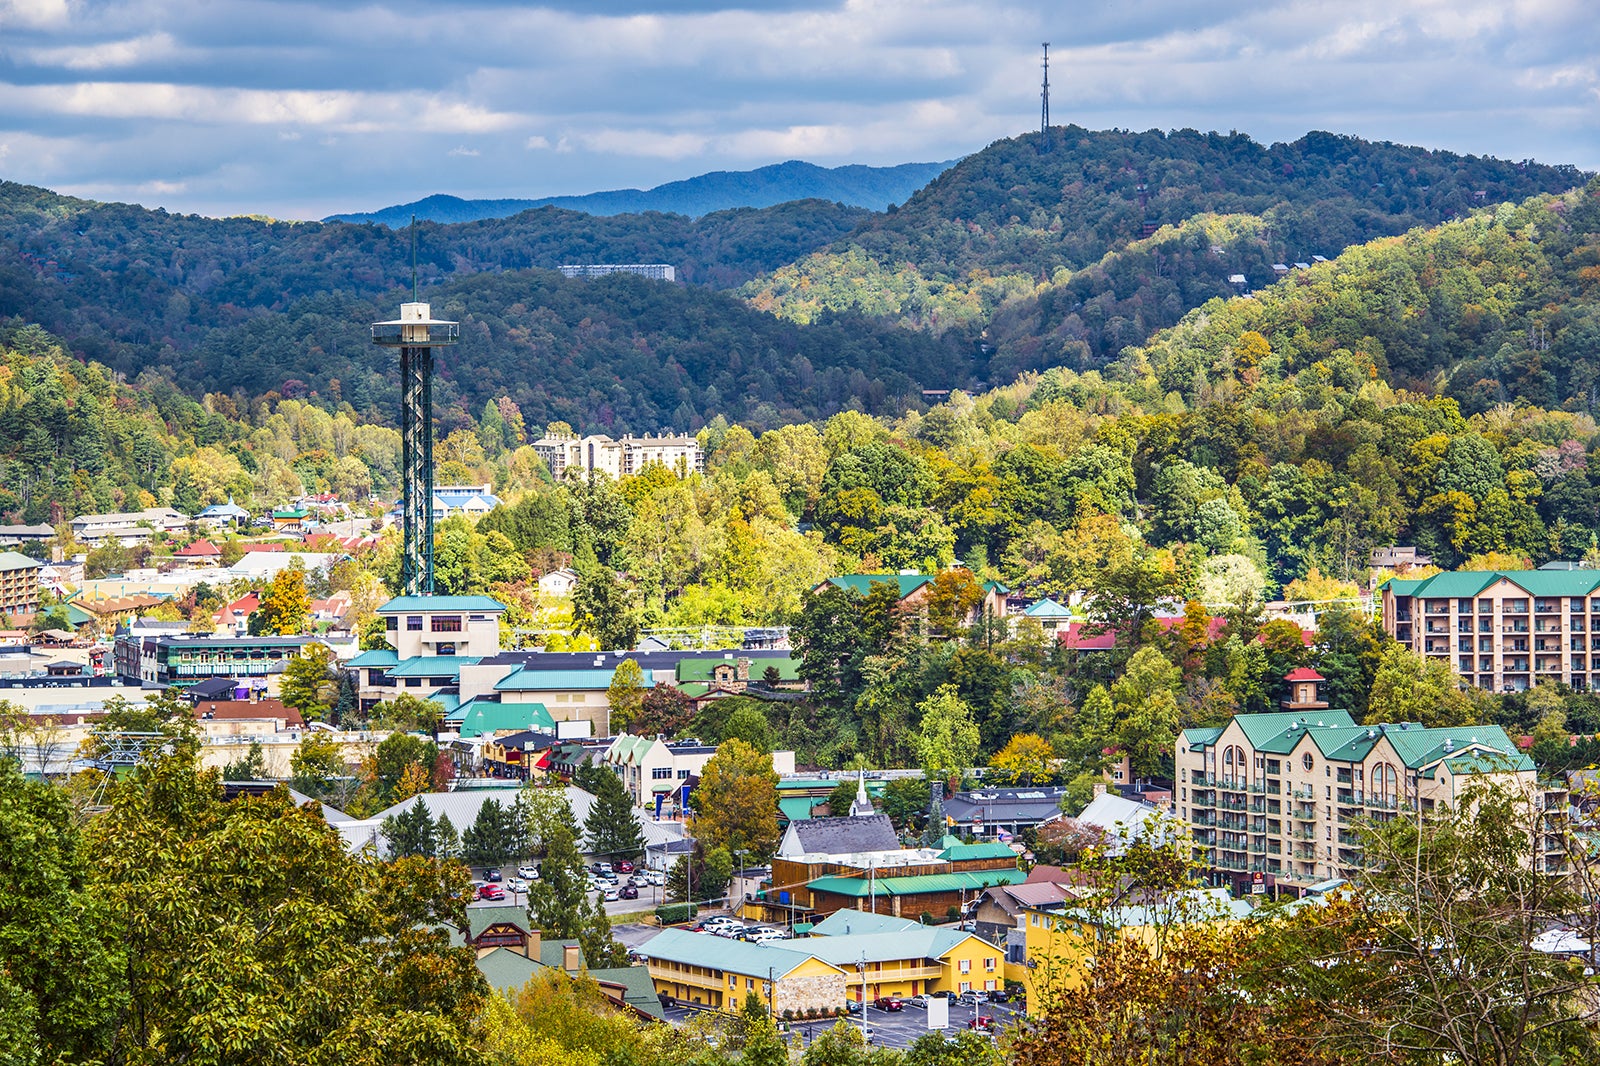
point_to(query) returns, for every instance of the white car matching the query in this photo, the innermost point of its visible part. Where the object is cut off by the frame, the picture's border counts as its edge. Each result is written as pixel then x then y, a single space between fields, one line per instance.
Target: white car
pixel 531 873
pixel 762 936
pixel 517 884
pixel 609 893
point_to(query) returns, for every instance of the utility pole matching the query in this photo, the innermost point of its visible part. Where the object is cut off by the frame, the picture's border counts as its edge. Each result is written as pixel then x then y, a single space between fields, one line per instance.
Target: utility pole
pixel 1044 103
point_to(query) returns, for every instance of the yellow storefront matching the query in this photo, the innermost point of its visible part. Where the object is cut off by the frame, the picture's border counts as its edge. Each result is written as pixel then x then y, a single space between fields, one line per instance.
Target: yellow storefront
pixel 709 971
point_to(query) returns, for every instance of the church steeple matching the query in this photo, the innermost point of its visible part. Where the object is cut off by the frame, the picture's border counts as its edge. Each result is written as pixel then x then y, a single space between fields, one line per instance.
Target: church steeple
pixel 862 805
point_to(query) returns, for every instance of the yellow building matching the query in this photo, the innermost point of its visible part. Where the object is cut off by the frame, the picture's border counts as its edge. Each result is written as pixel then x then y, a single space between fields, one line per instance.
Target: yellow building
pixel 1059 940
pixel 719 973
pixel 889 956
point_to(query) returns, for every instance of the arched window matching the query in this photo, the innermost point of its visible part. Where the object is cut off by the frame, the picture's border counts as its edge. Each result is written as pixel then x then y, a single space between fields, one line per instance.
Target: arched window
pixel 1234 766
pixel 1385 782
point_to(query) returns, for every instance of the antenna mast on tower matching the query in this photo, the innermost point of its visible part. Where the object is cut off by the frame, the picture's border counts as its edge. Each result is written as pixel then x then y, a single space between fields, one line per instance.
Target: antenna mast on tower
pixel 1044 104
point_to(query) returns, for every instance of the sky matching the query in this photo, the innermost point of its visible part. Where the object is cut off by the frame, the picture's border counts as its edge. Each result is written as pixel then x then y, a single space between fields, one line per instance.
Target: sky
pixel 300 110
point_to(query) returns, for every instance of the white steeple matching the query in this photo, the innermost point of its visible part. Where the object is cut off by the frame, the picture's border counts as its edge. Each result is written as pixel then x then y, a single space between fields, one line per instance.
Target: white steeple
pixel 862 807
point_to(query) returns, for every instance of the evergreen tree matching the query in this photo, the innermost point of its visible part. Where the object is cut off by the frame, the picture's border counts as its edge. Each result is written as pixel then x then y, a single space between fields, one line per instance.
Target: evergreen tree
pixel 253 767
pixel 410 833
pixel 489 841
pixel 612 826
pixel 558 900
pixel 446 841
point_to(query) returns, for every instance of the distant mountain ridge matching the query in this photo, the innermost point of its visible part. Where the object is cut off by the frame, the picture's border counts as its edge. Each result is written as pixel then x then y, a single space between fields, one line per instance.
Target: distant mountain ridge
pixel 855 185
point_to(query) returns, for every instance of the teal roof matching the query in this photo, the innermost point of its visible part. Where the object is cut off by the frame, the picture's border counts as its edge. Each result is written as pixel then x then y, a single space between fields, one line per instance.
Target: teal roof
pixel 847 921
pixel 796 808
pixel 420 604
pixel 378 659
pixel 78 616
pixel 17 561
pixel 448 700
pixel 553 953
pixel 717 953
pixel 1457 584
pixel 506 971
pixel 1047 608
pixel 1272 732
pixel 1202 736
pixel 921 942
pixel 862 583
pixel 525 680
pixel 483 718
pixel 1340 739
pixel 918 884
pixel 433 666
pixel 966 852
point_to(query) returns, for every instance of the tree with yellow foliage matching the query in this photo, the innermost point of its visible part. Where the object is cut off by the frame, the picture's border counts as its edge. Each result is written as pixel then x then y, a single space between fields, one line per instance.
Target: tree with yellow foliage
pixel 1027 759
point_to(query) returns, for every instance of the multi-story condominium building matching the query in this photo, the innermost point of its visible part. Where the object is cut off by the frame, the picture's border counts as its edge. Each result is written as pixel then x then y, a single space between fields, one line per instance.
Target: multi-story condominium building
pixel 433 638
pixel 181 659
pixel 19 583
pixel 1503 630
pixel 1274 799
pixel 619 458
pixel 128 527
pixel 653 271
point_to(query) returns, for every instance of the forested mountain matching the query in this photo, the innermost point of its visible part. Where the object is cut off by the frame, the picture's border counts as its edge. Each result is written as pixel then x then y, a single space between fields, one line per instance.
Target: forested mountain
pixel 857 186
pixel 1112 234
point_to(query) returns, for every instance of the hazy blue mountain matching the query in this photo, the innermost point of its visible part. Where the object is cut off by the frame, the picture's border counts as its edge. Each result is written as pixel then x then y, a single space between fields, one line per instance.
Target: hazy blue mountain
pixel 857 186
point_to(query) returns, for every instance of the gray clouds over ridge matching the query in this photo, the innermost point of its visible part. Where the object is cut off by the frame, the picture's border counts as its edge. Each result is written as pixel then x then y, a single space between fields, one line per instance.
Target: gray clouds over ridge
pixel 303 109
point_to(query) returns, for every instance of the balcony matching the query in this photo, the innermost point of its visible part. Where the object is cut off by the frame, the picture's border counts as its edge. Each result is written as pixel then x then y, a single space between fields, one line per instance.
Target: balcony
pixel 1233 784
pixel 1303 834
pixel 1305 812
pixel 1203 818
pixel 1202 779
pixel 1305 792
pixel 1349 839
pixel 1204 799
pixel 1231 803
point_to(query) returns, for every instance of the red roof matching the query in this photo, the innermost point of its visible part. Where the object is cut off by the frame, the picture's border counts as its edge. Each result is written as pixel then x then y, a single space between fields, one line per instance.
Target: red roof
pixel 244 606
pixel 243 709
pixel 1303 673
pixel 276 547
pixel 200 549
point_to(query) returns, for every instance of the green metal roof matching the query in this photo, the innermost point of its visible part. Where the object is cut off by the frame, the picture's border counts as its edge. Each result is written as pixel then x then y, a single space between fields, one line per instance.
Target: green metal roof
pixel 485 718
pixel 10 560
pixel 376 659
pixel 507 971
pixel 433 665
pixel 638 990
pixel 1272 733
pixel 421 604
pixel 718 953
pixel 796 808
pixel 701 669
pixel 862 583
pixel 78 616
pixel 922 942
pixel 1202 736
pixel 553 953
pixel 848 921
pixel 1457 584
pixel 917 884
pixel 989 850
pixel 1341 740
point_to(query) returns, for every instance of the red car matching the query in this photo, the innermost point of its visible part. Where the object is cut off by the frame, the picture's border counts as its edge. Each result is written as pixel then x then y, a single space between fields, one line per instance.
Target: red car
pixel 981 1023
pixel 888 1003
pixel 624 867
pixel 491 892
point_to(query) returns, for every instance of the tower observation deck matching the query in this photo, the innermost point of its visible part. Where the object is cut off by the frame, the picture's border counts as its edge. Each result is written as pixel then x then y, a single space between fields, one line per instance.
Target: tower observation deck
pixel 416 334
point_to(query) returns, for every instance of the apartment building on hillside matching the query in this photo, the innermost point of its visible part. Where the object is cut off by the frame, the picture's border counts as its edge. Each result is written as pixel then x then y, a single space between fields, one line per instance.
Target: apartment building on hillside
pixel 1504 630
pixel 1274 799
pixel 619 458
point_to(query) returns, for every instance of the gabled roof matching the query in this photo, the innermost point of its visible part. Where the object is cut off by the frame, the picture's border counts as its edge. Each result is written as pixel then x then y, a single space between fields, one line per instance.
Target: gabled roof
pixel 718 953
pixel 849 922
pixel 917 942
pixel 377 658
pixel 635 985
pixel 1303 673
pixel 968 852
pixel 1046 608
pixel 200 549
pixel 433 666
pixel 486 718
pixel 906 584
pixel 421 604
pixel 507 971
pixel 1457 584
pixel 840 835
pixel 525 680
pixel 481 918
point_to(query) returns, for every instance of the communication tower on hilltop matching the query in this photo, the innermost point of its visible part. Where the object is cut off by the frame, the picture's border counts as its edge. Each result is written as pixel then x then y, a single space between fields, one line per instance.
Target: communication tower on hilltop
pixel 1044 104
pixel 416 334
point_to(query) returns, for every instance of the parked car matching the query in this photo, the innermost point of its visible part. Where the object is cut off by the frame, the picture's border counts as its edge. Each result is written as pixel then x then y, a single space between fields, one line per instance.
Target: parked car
pixel 628 892
pixel 889 1003
pixel 981 1021
pixel 609 894
pixel 601 868
pixel 762 936
pixel 656 877
pixel 517 884
pixel 972 997
pixel 493 893
pixel 999 995
pixel 918 1000
pixel 852 1007
pixel 491 874
pixel 529 872
pixel 624 867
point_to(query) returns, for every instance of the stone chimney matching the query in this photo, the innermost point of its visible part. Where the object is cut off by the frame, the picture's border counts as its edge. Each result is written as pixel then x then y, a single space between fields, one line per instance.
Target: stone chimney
pixel 742 668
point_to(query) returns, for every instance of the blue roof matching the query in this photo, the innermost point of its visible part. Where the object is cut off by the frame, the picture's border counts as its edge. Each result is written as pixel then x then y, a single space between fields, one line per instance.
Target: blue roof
pixel 419 604
pixel 525 680
pixel 1047 608
pixel 433 666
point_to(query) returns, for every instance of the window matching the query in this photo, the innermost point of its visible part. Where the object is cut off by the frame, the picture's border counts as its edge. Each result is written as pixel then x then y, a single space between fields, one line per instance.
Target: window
pixel 445 649
pixel 989 986
pixel 661 773
pixel 683 775
pixel 413 623
pixel 733 980
pixel 1307 761
pixel 413 682
pixel 966 986
pixel 988 964
pixel 391 623
pixel 966 966
pixel 445 623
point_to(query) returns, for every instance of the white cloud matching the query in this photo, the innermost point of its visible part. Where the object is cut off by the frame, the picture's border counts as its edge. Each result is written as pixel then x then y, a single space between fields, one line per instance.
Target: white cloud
pixel 461 150
pixel 33 13
pixel 110 55
pixel 536 142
